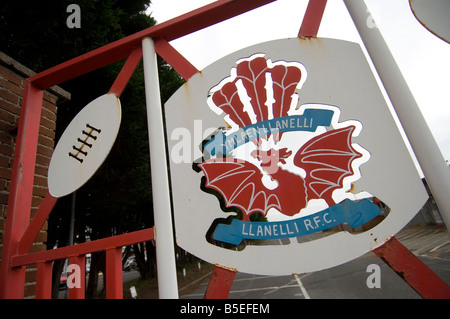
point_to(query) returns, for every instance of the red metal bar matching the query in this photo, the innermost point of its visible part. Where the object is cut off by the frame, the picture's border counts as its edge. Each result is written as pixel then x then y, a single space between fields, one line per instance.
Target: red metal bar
pixel 78 293
pixel 36 223
pixel 220 283
pixel 21 189
pixel 84 248
pixel 312 18
pixel 174 58
pixel 411 269
pixel 44 280
pixel 114 280
pixel 126 72
pixel 190 22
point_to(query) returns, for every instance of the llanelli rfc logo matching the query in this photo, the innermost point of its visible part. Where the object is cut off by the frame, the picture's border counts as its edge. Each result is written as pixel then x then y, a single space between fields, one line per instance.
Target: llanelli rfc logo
pixel 285 158
pixel 287 170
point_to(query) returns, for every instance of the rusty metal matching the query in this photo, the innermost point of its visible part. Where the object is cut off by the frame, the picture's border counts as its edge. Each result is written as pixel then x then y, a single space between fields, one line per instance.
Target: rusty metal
pixel 412 270
pixel 220 284
pixel 312 18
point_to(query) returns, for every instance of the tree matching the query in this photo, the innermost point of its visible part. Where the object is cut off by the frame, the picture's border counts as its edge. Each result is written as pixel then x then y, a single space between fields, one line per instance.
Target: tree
pixel 118 198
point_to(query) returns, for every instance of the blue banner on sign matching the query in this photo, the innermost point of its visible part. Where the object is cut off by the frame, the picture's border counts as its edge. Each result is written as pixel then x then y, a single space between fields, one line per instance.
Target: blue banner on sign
pixel 354 213
pixel 309 121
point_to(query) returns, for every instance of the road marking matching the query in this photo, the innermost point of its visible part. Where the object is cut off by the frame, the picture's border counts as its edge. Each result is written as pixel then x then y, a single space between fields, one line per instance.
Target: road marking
pixel 195 281
pixel 262 288
pixel 427 245
pixel 289 284
pixel 245 290
pixel 437 247
pixel 302 288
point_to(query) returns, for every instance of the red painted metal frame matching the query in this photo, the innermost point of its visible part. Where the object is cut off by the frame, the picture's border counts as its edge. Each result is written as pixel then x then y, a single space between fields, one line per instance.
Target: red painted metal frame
pixel 174 58
pixel 12 280
pixel 313 17
pixel 114 273
pixel 78 292
pixel 408 266
pixel 126 72
pixel 44 280
pixel 112 246
pixel 185 24
pixel 220 283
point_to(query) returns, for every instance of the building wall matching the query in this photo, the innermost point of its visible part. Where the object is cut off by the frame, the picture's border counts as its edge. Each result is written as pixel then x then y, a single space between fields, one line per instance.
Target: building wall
pixel 12 80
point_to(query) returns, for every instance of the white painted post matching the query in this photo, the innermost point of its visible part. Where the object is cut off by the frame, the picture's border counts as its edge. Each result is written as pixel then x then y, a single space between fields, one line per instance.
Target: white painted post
pixel 430 158
pixel 165 252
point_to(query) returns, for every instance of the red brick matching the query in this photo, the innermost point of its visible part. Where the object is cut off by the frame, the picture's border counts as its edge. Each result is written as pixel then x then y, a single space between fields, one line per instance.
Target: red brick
pixel 46 141
pixel 8 117
pixel 5 173
pixel 41 170
pixel 40 191
pixel 12 87
pixel 42 160
pixel 11 77
pixel 46 131
pixel 40 181
pixel 10 107
pixel 48 123
pixel 47 151
pixel 6 150
pixel 8 96
pixel 50 98
pixel 49 106
pixel 48 114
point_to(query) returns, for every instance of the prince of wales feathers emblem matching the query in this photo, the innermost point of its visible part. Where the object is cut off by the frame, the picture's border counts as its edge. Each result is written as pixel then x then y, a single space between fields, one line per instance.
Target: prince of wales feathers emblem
pixel 325 159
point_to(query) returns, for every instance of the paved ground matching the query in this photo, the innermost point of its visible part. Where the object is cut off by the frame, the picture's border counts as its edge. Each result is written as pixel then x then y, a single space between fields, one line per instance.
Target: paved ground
pixel 430 244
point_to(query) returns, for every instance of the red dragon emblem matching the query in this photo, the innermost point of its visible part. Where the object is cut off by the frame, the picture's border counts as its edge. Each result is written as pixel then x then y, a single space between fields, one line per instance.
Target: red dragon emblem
pixel 259 101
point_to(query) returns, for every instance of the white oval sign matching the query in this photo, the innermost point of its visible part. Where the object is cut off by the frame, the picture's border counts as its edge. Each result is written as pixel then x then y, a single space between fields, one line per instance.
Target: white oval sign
pixel 276 144
pixel 84 145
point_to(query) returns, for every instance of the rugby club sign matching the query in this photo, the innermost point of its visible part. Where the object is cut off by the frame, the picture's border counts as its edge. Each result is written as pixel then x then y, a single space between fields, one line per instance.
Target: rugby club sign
pixel 276 148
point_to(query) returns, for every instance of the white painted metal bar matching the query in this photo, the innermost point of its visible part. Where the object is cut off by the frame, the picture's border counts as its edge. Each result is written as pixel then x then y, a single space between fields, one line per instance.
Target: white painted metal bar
pixel 165 249
pixel 430 158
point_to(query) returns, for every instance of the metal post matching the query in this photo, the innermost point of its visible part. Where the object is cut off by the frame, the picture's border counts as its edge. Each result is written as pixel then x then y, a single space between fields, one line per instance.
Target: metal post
pixel 430 158
pixel 114 277
pixel 78 292
pixel 12 280
pixel 220 283
pixel 165 254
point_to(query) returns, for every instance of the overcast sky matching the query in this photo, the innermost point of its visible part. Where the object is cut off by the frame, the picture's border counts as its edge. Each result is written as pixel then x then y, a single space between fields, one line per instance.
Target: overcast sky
pixel 422 57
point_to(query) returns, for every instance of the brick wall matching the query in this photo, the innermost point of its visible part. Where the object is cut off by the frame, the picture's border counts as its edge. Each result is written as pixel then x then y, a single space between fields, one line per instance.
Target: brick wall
pixel 12 76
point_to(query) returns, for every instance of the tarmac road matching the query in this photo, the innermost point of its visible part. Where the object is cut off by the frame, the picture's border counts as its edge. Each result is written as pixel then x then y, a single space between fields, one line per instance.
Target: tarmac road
pixel 349 281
